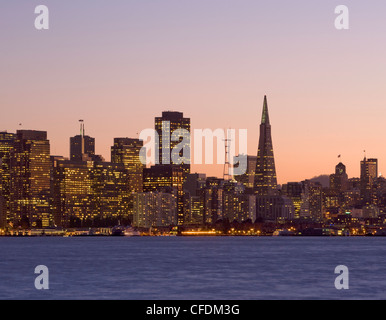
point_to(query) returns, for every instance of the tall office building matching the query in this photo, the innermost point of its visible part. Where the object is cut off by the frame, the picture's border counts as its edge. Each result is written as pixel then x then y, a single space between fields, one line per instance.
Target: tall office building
pixel 237 205
pixel 127 152
pixel 312 200
pixel 212 195
pixel 87 190
pixel 81 145
pixel 294 190
pixel 6 146
pixel 369 172
pixel 166 127
pixel 339 180
pixel 30 178
pixel 166 179
pixel 3 213
pixel 154 209
pixel 265 173
pixel 72 191
pixel 248 178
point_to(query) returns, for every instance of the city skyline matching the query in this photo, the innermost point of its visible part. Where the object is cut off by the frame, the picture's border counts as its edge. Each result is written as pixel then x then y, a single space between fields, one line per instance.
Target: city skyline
pixel 39 189
pixel 192 150
pixel 215 170
pixel 324 85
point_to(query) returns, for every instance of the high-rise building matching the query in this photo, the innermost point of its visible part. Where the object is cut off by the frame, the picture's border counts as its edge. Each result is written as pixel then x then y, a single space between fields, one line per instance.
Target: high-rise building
pixel 173 131
pixel 312 200
pixel 293 190
pixel 237 205
pixel 127 152
pixel 111 190
pixel 212 195
pixel 248 178
pixel 269 204
pixel 154 209
pixel 194 182
pixel 166 179
pixel 72 191
pixel 193 210
pixel 339 180
pixel 369 172
pixel 30 178
pixel 6 146
pixel 3 212
pixel 265 173
pixel 274 208
pixel 82 145
pixel 87 190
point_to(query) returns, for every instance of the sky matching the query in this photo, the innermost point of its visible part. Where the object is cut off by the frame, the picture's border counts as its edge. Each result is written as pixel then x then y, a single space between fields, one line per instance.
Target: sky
pixel 119 64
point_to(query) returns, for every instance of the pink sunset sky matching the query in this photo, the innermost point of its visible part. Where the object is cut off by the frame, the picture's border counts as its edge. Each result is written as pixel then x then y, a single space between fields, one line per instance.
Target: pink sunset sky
pixel 118 65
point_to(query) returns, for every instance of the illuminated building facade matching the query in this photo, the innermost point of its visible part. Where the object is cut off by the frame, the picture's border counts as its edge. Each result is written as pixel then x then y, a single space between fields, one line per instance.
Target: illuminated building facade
pixel 293 191
pixel 166 178
pixel 154 209
pixel 239 206
pixel 265 173
pixel 126 151
pixel 6 147
pixel 30 178
pixel 167 126
pixel 3 211
pixel 111 190
pixel 193 203
pixel 88 190
pixel 312 200
pixel 194 210
pixel 72 191
pixel 274 208
pixel 369 172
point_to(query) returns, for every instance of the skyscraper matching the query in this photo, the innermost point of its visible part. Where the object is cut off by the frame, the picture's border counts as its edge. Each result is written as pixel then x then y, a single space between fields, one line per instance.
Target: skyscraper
pixel 248 178
pixel 81 145
pixel 6 146
pixel 30 178
pixel 166 179
pixel 265 174
pixel 339 180
pixel 84 191
pixel 293 190
pixel 369 172
pixel 127 152
pixel 168 127
pixel 154 209
pixel 312 200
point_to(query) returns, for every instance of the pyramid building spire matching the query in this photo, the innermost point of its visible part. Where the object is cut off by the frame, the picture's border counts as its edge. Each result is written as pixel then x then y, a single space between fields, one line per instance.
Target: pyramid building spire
pixel 265 173
pixel 265 116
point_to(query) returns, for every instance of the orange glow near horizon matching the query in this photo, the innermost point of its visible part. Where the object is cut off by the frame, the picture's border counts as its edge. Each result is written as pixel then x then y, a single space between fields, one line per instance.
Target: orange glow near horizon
pixel 119 66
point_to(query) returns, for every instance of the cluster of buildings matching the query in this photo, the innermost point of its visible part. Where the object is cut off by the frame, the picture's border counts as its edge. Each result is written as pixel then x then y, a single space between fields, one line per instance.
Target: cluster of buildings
pixel 39 190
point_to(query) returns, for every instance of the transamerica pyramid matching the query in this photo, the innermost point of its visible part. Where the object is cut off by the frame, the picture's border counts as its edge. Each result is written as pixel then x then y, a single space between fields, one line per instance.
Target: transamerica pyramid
pixel 265 174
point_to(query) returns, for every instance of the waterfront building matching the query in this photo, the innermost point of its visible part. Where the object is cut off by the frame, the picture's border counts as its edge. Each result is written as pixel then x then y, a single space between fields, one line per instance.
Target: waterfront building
pixel 6 147
pixel 30 178
pixel 154 209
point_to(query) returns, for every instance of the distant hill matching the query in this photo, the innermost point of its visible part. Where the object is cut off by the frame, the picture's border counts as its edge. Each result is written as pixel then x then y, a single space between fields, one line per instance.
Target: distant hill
pixel 323 179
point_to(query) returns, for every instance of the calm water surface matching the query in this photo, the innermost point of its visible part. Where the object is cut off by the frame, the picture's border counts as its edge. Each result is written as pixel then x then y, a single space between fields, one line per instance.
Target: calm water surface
pixel 174 268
